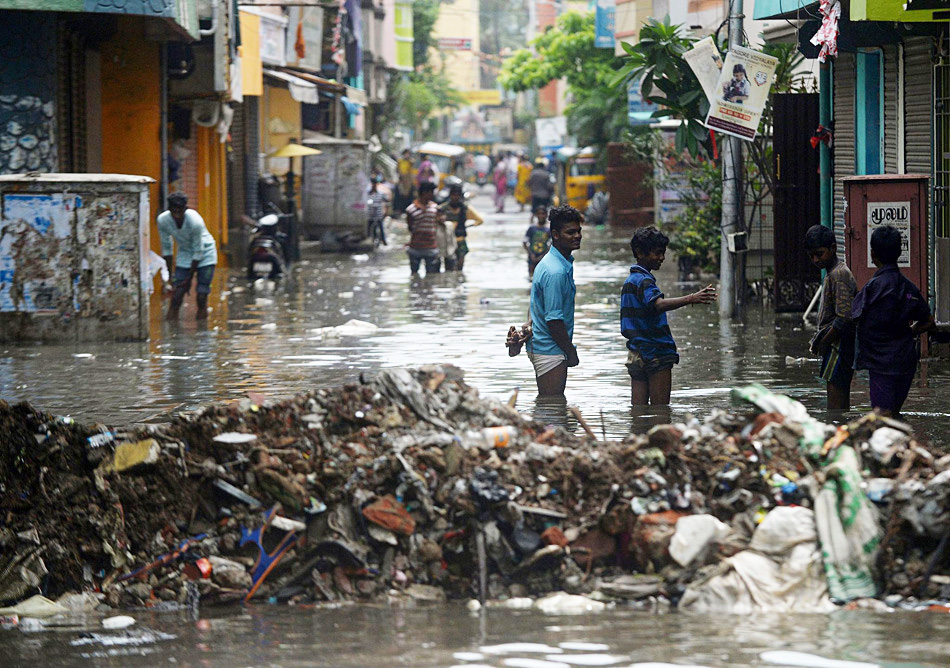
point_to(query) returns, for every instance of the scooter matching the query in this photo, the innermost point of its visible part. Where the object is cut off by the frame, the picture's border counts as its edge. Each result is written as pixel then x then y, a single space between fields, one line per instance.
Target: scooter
pixel 481 179
pixel 267 251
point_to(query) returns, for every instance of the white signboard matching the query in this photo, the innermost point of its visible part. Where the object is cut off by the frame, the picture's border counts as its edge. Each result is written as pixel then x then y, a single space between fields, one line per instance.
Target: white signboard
pixel 706 63
pixel 550 132
pixel 896 214
pixel 741 93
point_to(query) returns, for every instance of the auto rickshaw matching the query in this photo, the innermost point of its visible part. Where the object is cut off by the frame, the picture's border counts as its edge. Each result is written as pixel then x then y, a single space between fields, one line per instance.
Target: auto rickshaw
pixel 449 159
pixel 579 176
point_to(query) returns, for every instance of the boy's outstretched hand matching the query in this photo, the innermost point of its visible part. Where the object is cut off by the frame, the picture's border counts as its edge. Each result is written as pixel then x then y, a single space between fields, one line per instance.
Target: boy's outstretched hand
pixel 707 295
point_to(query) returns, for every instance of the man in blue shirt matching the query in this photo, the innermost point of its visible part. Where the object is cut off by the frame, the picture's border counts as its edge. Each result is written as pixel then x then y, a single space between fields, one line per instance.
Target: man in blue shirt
pixel 650 345
pixel 552 304
pixel 197 253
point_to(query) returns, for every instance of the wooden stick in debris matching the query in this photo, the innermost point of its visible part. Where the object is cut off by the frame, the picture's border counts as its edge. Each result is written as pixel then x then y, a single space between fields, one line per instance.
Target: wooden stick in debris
pixel 482 565
pixel 576 412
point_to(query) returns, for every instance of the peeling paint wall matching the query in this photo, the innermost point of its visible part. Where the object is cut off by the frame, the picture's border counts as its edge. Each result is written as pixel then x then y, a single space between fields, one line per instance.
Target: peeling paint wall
pixel 72 261
pixel 27 85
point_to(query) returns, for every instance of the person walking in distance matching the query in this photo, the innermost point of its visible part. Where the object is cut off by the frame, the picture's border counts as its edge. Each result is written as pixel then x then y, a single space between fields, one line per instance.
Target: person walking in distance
pixel 540 185
pixel 423 218
pixel 182 230
pixel 551 348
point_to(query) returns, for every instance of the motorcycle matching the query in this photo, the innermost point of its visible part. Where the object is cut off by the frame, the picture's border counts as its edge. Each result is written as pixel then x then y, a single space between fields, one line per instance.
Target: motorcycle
pixel 268 255
pixel 481 179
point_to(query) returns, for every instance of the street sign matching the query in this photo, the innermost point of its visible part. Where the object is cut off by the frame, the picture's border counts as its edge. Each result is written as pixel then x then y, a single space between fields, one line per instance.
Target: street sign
pixel 639 111
pixel 455 44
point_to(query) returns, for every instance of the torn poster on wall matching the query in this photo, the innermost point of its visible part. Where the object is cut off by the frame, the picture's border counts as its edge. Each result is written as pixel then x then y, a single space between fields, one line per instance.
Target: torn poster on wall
pixel 36 252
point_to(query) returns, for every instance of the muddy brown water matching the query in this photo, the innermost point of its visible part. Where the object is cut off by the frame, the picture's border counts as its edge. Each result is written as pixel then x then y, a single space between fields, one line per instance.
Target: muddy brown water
pixel 265 342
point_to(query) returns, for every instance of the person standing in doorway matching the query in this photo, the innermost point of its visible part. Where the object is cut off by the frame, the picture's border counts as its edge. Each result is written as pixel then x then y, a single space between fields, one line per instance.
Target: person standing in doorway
pixel 182 230
pixel 423 218
pixel 551 348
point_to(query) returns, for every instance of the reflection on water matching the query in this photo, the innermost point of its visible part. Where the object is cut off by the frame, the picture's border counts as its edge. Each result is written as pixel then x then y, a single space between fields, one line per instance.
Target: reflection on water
pixel 270 343
pixel 443 636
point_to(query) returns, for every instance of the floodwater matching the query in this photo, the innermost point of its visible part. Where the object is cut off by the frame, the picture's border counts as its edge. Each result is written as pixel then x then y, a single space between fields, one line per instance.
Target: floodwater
pixel 267 343
pixel 449 636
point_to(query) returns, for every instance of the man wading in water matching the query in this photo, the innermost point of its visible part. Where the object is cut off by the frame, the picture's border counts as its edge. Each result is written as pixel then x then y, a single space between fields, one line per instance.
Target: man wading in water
pixel 549 344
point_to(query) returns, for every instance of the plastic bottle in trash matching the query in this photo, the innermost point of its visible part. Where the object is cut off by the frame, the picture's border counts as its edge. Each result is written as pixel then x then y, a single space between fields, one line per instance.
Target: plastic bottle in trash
pixel 488 438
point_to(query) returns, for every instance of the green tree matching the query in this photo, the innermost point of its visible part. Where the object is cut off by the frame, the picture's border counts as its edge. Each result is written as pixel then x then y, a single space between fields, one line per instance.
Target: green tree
pixel 424 15
pixel 596 113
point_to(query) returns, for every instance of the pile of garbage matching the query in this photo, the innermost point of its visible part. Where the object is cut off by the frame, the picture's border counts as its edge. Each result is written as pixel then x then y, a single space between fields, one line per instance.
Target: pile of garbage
pixel 411 487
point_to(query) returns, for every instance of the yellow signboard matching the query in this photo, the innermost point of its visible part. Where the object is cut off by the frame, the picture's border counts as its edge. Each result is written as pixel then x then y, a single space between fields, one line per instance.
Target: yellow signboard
pixel 488 97
pixel 891 10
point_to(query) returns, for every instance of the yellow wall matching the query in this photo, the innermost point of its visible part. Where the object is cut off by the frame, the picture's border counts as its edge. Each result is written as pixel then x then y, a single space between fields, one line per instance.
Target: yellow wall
pixel 212 200
pixel 279 109
pixel 251 75
pixel 131 119
pixel 459 19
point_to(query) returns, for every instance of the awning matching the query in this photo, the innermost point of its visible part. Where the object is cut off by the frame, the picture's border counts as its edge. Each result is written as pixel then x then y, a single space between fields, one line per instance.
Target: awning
pixel 300 89
pixel 894 10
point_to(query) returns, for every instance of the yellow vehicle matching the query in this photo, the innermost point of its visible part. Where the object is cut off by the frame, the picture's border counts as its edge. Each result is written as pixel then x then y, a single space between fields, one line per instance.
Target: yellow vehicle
pixel 579 176
pixel 449 159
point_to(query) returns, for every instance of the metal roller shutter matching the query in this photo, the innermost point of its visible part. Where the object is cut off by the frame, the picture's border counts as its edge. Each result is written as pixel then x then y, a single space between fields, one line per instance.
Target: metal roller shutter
pixel 918 103
pixel 845 76
pixel 235 167
pixel 890 108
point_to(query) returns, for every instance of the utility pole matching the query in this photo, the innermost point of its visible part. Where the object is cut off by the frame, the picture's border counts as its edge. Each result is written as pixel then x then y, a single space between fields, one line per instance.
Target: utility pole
pixel 731 193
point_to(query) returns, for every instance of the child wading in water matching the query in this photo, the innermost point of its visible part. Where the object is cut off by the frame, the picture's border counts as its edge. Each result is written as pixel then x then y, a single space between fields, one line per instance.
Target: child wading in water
pixel 651 348
pixel 889 313
pixel 834 340
pixel 537 240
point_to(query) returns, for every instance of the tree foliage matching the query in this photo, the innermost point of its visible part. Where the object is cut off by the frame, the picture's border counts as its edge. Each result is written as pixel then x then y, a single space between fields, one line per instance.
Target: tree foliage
pixel 424 15
pixel 596 114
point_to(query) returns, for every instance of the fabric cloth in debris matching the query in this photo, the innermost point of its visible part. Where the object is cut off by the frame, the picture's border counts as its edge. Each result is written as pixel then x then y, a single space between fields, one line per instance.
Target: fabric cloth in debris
pixel 780 572
pixel 388 513
pixel 848 528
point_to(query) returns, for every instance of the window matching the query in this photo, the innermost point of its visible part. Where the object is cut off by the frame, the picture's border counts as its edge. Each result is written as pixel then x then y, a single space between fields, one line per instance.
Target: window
pixel 869 113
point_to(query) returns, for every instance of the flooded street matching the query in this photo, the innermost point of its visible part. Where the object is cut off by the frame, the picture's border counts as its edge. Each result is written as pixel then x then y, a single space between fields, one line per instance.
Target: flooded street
pixel 444 636
pixel 266 343
pixel 271 343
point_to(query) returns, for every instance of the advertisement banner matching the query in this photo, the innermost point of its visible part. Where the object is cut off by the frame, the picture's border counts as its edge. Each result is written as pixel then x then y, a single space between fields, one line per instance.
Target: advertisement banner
pixel 706 63
pixel 741 93
pixel 890 213
pixel 605 22
pixel 404 36
pixel 455 44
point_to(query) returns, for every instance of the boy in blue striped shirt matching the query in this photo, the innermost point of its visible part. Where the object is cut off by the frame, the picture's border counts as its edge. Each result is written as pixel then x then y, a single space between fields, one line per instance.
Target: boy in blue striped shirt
pixel 651 348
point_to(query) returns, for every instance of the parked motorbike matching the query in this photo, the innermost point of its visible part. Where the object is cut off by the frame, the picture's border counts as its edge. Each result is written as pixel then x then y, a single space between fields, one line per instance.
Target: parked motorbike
pixel 268 254
pixel 481 179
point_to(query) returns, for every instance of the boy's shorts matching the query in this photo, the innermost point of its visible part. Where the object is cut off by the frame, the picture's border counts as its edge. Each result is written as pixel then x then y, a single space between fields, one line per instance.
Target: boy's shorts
pixel 837 365
pixel 204 276
pixel 641 369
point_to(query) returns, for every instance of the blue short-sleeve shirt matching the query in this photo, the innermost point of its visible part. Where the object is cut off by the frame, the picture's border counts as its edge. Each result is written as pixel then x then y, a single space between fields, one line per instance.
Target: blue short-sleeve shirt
pixel 552 298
